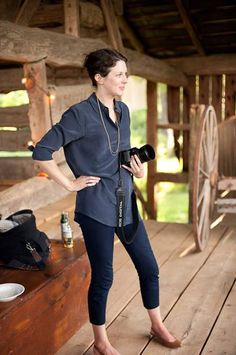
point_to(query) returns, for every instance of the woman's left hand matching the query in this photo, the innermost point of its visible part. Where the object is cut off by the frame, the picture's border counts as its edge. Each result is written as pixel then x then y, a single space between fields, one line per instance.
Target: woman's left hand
pixel 136 167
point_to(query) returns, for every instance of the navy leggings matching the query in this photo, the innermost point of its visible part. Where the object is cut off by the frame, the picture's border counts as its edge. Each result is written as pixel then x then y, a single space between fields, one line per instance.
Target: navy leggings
pixel 99 241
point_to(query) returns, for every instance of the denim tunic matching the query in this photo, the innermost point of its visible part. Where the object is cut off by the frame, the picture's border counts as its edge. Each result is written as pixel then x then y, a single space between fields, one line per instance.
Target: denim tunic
pixel 82 135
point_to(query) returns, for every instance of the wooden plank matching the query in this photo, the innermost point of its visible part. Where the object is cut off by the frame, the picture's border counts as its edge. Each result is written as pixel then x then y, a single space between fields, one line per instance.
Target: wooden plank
pixel 14 116
pixel 124 288
pixel 10 80
pixel 39 107
pixel 32 193
pixel 200 304
pixel 217 96
pixel 28 8
pixel 226 205
pixel 172 177
pixel 175 126
pixel 129 332
pixel 16 168
pixel 230 90
pixel 13 141
pixel 72 18
pixel 189 97
pixel 227 183
pixel 189 26
pixel 227 151
pixel 90 15
pixel 204 82
pixel 22 44
pixel 56 297
pixel 152 140
pixel 112 24
pixel 222 339
pixel 209 65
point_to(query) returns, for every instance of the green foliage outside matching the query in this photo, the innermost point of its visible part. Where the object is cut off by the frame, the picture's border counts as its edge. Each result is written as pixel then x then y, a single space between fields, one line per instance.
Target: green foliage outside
pixel 172 198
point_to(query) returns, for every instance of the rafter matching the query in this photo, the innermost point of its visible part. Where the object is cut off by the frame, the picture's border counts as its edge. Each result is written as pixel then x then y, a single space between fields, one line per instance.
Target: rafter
pixel 133 39
pixel 189 27
pixel 27 11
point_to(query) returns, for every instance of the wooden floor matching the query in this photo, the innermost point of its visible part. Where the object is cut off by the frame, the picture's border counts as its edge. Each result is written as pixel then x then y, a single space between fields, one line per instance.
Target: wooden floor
pixel 197 292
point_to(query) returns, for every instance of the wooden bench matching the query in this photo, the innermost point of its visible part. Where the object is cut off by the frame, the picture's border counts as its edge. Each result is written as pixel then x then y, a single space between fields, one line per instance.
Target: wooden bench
pixel 53 306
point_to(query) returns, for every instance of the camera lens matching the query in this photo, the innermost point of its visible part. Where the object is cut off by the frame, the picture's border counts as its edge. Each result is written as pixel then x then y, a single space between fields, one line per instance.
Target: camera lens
pixel 146 153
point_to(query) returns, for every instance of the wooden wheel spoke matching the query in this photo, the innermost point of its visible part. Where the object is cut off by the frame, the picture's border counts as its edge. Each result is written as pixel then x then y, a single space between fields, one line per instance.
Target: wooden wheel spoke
pixel 204 173
pixel 205 205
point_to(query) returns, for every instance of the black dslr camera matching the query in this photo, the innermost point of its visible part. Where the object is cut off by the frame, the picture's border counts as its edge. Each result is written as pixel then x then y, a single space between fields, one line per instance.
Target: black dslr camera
pixel 145 154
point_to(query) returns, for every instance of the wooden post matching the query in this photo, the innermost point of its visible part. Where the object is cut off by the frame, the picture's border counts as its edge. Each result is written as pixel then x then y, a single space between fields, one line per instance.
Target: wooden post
pixel 39 110
pixel 230 89
pixel 189 98
pixel 204 82
pixel 71 16
pixel 152 140
pixel 173 108
pixel 217 96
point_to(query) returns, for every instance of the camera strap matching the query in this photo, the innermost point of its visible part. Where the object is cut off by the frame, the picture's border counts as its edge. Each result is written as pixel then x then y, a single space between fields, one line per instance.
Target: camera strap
pixel 120 196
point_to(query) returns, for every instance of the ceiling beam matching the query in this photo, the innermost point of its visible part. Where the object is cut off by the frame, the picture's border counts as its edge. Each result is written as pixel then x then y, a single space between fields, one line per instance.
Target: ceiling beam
pixel 210 65
pixel 26 12
pixel 129 33
pixel 23 44
pixel 188 24
pixel 112 24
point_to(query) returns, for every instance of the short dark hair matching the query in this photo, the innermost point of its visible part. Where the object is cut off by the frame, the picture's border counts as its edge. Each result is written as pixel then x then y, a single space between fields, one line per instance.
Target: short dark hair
pixel 101 61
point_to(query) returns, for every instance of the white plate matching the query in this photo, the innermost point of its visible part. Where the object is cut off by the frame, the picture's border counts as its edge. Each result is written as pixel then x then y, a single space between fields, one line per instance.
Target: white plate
pixel 10 291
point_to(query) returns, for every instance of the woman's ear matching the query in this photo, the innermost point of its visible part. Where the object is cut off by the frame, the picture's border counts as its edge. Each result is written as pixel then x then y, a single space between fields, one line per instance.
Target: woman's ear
pixel 99 79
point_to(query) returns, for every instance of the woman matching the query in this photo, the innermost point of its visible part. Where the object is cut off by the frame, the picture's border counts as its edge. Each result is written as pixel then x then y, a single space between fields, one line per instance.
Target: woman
pixel 92 134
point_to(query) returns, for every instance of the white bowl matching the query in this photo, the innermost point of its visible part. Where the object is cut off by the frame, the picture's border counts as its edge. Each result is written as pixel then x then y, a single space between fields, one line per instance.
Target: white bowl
pixel 10 291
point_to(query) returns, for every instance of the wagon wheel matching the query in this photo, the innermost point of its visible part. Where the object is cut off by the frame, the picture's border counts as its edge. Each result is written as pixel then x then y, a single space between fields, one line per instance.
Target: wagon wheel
pixel 205 175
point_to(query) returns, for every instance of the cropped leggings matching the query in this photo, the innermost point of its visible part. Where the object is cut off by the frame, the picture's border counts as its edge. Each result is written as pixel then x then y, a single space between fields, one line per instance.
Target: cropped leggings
pixel 99 242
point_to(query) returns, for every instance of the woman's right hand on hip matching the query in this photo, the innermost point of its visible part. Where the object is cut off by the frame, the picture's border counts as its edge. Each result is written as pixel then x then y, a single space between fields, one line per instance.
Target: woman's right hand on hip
pixel 82 182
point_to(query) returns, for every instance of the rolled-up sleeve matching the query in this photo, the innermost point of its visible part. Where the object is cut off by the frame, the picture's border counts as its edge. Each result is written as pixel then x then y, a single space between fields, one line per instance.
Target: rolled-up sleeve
pixel 71 127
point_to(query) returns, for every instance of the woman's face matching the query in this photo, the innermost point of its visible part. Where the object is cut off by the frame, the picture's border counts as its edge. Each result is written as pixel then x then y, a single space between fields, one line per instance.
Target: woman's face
pixel 114 83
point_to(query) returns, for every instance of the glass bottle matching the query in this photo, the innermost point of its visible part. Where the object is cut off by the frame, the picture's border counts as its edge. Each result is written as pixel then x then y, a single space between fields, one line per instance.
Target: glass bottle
pixel 66 231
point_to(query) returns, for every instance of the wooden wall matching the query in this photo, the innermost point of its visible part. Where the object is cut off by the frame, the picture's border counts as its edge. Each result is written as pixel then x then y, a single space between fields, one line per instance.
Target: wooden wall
pixel 216 90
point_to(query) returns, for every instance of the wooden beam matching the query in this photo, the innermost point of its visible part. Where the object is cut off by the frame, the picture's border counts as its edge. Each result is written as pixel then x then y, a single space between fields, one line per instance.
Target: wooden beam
pixel 14 116
pixel 129 33
pixel 13 141
pixel 152 140
pixel 90 15
pixel 174 126
pixel 230 95
pixel 33 193
pixel 22 44
pixel 17 168
pixel 188 24
pixel 26 12
pixel 10 80
pixel 39 107
pixel 154 69
pixel 211 65
pixel 72 20
pixel 172 177
pixel 112 24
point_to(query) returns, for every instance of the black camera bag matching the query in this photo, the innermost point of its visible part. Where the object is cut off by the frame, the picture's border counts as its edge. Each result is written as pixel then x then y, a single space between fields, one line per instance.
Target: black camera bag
pixel 24 246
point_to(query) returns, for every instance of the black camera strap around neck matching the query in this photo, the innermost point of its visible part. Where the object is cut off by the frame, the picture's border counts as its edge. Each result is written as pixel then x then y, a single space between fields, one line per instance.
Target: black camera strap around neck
pixel 120 195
